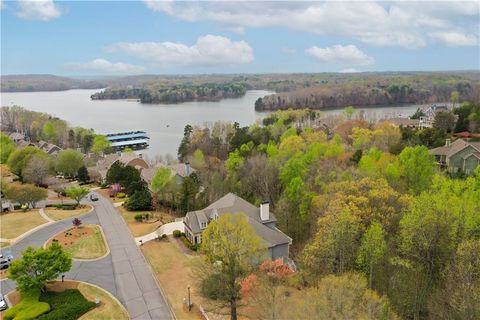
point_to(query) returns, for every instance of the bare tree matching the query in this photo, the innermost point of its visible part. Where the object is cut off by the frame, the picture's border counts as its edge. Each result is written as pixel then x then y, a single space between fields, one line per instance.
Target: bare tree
pixel 37 170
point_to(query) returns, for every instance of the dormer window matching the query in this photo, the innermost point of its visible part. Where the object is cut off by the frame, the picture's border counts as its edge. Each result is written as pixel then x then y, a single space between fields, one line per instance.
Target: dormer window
pixel 214 215
pixel 204 225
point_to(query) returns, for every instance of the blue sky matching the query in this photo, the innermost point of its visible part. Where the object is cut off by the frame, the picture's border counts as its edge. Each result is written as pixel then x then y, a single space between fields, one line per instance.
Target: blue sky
pixel 120 38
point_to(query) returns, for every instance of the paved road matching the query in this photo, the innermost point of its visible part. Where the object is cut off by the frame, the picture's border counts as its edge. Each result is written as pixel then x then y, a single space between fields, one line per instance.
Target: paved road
pixel 98 272
pixel 136 286
pixel 124 272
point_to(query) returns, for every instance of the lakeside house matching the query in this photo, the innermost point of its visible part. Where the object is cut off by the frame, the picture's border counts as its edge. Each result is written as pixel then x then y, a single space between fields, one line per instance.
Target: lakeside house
pixel 404 122
pixel 458 156
pixel 98 172
pixel 49 148
pixel 260 218
pixel 426 121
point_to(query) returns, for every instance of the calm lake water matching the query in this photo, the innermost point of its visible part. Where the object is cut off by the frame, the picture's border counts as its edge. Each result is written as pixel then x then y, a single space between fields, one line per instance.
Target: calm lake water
pixel 164 123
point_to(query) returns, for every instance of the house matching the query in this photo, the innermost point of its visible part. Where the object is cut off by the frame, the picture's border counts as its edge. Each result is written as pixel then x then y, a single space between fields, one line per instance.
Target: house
pixel 459 155
pixel 426 121
pixel 404 122
pixel 24 143
pixel 99 171
pixel 260 218
pixel 179 171
pixel 49 148
pixel 16 136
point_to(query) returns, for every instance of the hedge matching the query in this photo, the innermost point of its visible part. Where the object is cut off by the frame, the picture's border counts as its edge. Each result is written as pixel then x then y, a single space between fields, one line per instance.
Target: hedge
pixel 177 233
pixel 67 305
pixel 188 244
pixel 28 308
pixel 62 206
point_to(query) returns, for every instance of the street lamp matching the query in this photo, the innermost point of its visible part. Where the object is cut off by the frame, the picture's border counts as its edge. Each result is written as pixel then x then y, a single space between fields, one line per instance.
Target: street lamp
pixel 189 301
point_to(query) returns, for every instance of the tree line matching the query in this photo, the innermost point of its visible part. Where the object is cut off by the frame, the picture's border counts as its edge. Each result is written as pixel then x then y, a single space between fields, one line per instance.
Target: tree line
pixel 155 93
pixel 359 199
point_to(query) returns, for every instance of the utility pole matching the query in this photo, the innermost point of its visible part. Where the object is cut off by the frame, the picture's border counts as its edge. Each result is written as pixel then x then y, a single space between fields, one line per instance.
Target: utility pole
pixel 189 301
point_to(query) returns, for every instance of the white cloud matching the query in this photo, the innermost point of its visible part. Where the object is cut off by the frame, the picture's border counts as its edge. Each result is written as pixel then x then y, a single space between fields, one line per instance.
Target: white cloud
pixel 454 39
pixel 209 50
pixel 348 55
pixel 107 67
pixel 43 10
pixel 400 23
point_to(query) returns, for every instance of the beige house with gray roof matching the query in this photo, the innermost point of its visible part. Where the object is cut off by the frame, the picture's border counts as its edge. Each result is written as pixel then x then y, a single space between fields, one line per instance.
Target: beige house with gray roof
pixel 260 218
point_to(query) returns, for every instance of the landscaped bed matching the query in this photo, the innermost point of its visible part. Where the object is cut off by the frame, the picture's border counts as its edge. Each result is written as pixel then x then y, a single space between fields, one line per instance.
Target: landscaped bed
pixel 173 270
pixel 69 300
pixel 59 213
pixel 137 228
pixel 14 224
pixel 83 242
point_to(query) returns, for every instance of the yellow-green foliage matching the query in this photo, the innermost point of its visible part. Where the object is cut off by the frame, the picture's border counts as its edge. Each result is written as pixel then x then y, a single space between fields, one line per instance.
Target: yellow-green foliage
pixel 28 308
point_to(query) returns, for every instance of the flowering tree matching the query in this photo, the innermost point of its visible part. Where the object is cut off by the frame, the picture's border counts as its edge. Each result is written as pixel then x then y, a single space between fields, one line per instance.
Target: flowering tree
pixel 77 222
pixel 115 188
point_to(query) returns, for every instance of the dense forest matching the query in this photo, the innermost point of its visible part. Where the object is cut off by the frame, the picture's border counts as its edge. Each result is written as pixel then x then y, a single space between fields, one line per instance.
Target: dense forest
pixel 373 91
pixel 30 83
pixel 38 126
pixel 175 94
pixel 357 198
pixel 303 90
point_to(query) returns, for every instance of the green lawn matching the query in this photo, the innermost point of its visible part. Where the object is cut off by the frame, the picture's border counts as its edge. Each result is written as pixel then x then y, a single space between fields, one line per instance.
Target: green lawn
pixel 14 224
pixel 89 247
pixel 60 214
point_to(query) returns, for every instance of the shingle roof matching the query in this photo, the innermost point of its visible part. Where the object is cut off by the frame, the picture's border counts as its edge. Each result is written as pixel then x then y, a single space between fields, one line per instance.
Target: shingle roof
pixel 231 203
pixel 475 154
pixel 17 136
pixel 455 147
pixel 180 169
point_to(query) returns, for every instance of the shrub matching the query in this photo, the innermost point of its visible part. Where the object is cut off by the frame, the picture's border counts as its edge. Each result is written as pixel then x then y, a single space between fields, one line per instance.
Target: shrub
pixel 121 195
pixel 103 185
pixel 177 233
pixel 188 244
pixel 139 217
pixel 67 305
pixel 140 200
pixel 28 308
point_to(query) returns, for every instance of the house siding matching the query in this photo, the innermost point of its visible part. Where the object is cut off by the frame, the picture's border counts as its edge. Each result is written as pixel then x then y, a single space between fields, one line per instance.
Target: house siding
pixel 455 162
pixel 470 164
pixel 279 251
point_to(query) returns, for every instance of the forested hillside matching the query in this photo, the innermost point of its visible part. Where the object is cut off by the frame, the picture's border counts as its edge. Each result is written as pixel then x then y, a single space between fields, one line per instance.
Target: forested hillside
pixel 303 90
pixel 175 94
pixel 30 83
pixel 356 198
pixel 374 91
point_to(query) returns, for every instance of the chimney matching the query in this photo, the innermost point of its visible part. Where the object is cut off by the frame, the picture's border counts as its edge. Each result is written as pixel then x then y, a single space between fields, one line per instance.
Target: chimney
pixel 448 142
pixel 187 168
pixel 265 211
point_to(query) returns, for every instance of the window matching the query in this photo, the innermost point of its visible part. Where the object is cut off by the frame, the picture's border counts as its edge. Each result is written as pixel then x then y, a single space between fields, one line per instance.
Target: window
pixel 204 225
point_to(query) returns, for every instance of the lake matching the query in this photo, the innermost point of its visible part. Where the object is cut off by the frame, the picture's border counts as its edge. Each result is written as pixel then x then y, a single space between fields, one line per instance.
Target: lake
pixel 163 122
